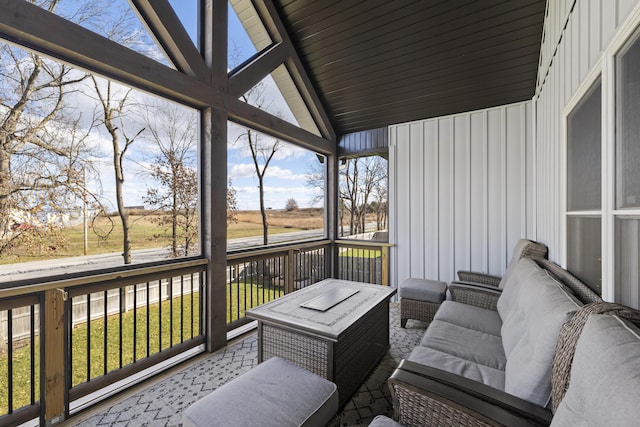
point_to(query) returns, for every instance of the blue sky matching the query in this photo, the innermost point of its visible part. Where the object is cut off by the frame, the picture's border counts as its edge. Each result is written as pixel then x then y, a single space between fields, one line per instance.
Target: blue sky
pixel 285 177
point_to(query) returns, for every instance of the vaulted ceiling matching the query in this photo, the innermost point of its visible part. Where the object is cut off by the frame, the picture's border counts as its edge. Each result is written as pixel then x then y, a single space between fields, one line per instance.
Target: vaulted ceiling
pixel 378 62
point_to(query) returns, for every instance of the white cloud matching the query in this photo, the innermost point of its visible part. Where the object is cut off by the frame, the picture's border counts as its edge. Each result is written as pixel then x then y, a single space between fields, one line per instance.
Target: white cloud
pixel 247 170
pixel 243 170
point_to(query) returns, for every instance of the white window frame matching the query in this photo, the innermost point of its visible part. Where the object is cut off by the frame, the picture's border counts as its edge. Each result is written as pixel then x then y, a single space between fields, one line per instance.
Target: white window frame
pixel 605 70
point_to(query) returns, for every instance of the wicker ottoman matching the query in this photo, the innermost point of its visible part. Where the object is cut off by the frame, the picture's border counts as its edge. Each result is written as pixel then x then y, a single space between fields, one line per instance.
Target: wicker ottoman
pixel 420 299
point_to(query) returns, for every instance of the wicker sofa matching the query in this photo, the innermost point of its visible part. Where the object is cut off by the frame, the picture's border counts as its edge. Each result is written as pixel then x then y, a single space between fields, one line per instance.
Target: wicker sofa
pixel 595 381
pixel 493 358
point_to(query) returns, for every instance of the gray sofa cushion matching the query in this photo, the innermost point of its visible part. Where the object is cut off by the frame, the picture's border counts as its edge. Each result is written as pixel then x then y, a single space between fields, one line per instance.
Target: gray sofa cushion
pixel 515 259
pixel 459 366
pixel 278 394
pixel 470 316
pixel 507 302
pixel 468 344
pixel 605 385
pixel 529 333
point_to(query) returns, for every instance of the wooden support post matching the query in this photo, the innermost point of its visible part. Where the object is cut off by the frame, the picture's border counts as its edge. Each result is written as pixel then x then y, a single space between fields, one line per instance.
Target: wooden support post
pixel 385 265
pixel 331 206
pixel 54 356
pixel 213 148
pixel 291 272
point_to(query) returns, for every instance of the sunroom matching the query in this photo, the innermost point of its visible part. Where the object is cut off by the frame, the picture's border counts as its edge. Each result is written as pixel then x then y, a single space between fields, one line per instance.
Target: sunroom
pixel 489 121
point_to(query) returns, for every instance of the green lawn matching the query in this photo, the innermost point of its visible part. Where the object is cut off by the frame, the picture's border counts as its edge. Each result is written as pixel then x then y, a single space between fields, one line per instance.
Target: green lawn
pixel 242 298
pixel 145 234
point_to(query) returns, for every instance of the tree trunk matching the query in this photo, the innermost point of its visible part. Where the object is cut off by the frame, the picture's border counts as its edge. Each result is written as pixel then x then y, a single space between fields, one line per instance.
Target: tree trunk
pixel 174 222
pixel 124 217
pixel 263 211
pixel 4 191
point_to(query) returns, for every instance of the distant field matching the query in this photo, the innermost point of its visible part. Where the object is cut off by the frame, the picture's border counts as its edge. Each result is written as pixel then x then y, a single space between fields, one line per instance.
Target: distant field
pixel 145 234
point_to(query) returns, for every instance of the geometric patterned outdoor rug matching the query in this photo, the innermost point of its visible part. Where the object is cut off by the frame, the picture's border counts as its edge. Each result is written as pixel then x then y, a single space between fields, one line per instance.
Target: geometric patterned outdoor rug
pixel 161 404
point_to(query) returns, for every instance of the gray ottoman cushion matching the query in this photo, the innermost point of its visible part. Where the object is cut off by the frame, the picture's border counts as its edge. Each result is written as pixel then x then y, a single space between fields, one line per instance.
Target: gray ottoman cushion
pixel 382 421
pixel 275 393
pixel 423 290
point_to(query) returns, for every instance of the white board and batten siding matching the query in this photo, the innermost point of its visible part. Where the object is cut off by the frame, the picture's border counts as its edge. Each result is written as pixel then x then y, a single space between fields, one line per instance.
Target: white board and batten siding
pixel 576 33
pixel 460 192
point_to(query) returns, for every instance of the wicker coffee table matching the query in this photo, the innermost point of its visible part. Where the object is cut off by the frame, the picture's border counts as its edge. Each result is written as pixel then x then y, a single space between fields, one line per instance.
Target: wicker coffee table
pixel 337 329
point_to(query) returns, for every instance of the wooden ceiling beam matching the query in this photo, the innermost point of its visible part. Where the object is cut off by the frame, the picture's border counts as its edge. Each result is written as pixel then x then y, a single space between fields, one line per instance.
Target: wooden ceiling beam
pixel 247 115
pixel 35 28
pixel 169 32
pixel 257 68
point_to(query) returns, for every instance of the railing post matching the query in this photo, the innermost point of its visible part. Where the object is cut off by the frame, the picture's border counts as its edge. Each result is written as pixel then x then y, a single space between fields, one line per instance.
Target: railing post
pixel 54 356
pixel 385 265
pixel 290 272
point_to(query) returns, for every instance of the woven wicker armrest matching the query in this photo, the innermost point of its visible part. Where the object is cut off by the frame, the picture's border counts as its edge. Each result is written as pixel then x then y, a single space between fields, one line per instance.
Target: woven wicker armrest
pixel 475 294
pixel 425 396
pixel 480 278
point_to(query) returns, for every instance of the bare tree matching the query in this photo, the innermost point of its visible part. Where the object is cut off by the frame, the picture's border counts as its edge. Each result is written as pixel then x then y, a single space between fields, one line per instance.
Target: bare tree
pixel 40 145
pixel 232 204
pixel 315 179
pixel 359 179
pixel 173 130
pixel 114 102
pixel 291 205
pixel 362 182
pixel 262 149
pixel 362 186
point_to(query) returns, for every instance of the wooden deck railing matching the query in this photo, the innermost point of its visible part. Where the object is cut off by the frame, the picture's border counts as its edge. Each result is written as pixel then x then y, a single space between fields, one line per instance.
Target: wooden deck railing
pixel 64 339
pixel 363 261
pixel 259 276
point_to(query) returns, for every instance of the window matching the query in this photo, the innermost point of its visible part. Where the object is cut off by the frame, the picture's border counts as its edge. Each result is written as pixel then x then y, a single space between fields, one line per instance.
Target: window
pixel 627 174
pixel 277 189
pixel 108 171
pixel 584 189
pixel 362 204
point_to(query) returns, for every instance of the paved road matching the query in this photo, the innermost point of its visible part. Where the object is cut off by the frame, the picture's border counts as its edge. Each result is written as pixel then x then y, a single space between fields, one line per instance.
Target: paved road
pixel 36 269
pixel 39 269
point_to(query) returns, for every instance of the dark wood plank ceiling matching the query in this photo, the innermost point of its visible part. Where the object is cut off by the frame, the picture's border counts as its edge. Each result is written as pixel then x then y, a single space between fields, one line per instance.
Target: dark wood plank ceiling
pixel 380 62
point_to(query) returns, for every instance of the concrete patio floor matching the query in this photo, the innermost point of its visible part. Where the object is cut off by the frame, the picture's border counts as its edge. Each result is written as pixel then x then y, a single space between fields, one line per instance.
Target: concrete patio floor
pixel 160 401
